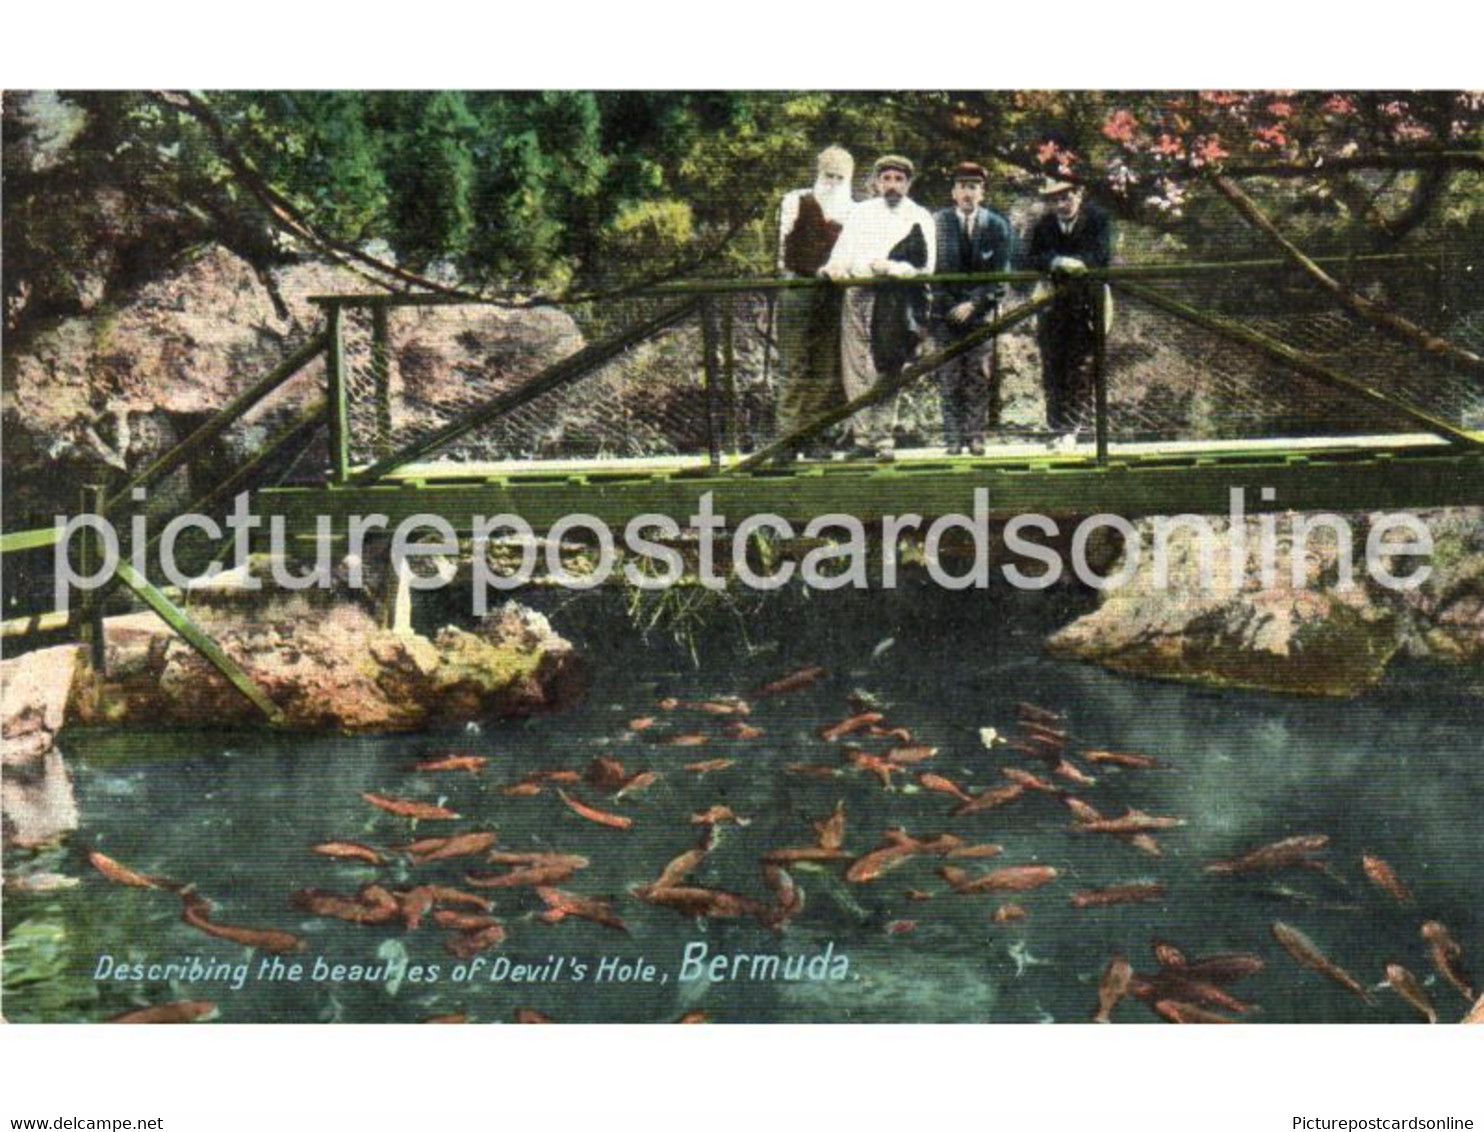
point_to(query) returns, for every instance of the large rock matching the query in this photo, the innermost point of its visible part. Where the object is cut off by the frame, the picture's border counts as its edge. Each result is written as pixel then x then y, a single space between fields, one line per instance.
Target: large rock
pixel 1311 637
pixel 337 669
pixel 36 798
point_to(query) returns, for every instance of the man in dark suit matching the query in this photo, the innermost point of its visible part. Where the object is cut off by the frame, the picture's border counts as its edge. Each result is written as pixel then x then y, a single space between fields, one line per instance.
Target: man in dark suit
pixel 1070 237
pixel 971 239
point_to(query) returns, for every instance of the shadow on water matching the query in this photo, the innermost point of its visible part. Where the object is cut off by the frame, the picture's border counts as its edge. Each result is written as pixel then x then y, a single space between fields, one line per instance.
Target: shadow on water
pixel 1396 773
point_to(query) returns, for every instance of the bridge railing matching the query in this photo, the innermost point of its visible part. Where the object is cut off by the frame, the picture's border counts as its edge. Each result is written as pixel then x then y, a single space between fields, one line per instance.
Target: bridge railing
pixel 689 372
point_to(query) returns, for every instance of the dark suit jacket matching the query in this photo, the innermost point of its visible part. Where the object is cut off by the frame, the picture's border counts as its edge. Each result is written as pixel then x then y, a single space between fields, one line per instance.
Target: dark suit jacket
pixel 993 249
pixel 1090 240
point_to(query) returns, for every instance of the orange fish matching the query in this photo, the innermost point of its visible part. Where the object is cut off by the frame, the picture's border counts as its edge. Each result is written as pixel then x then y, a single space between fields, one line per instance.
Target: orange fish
pixel 640 780
pixel 1445 957
pixel 910 754
pixel 601 817
pixel 1112 987
pixel 708 765
pixel 830 831
pixel 1172 1011
pixel 900 927
pixel 1028 780
pixel 899 734
pixel 462 921
pixel 122 874
pixel 1384 877
pixel 1123 759
pixel 1035 730
pixel 872 764
pixel 1072 773
pixel 814 770
pixel 692 1017
pixel 561 904
pixel 918 894
pixel 1008 913
pixel 406 808
pixel 472 763
pixel 1132 821
pixel 833 731
pixel 413 904
pixel 348 851
pixel 1224 968
pixel 357 910
pixel 640 723
pixel 529 876
pixel 1291 852
pixel 1118 894
pixel 442 848
pixel 468 944
pixel 446 1019
pixel 1405 984
pixel 944 785
pixel 1013 878
pixel 739 730
pixel 689 739
pixel 442 894
pixel 1180 986
pixel 718 815
pixel 989 799
pixel 169 1012
pixel 1302 948
pixel 790 683
pixel 1035 714
pixel 197 911
pixel 527 1016
pixel 897 848
pixel 1168 955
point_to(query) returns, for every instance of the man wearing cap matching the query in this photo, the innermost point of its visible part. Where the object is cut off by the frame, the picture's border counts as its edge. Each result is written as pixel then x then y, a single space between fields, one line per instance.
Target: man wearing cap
pixel 889 235
pixel 1070 237
pixel 810 221
pixel 971 239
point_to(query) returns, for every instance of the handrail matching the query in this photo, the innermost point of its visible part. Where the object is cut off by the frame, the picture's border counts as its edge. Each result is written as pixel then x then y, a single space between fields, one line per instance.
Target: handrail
pixel 733 286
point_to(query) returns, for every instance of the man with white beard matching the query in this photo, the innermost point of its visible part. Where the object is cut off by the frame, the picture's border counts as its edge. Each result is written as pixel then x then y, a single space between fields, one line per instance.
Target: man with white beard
pixel 894 236
pixel 809 223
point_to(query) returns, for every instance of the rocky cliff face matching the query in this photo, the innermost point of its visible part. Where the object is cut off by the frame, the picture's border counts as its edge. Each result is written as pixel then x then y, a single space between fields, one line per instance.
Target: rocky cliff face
pixel 36 804
pixel 1310 636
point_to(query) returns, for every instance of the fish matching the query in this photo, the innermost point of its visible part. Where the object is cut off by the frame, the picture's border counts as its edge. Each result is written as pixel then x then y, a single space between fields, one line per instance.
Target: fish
pixel 406 808
pixel 1302 948
pixel 442 848
pixel 1012 878
pixel 526 1016
pixel 640 780
pixel 560 904
pixel 1044 732
pixel 1007 913
pixel 897 848
pixel 872 764
pixel 605 773
pixel 717 815
pixel 462 921
pixel 790 683
pixel 600 817
pixel 1405 984
pixel 184 1011
pixel 1445 957
pixel 1035 714
pixel 788 897
pixel 446 1019
pixel 708 765
pixel 943 785
pixel 537 781
pixel 1180 986
pixel 1168 955
pixel 527 876
pixel 813 770
pixel 1132 821
pixel 918 894
pixel 348 851
pixel 1028 780
pixel 442 894
pixel 122 874
pixel 792 855
pixel 353 910
pixel 830 831
pixel 1123 759
pixel 1073 773
pixel 640 723
pixel 1224 968
pixel 1475 1016
pixel 196 911
pixel 687 739
pixel 989 799
pixel 736 729
pixel 1112 987
pixel 910 754
pixel 900 927
pixel 413 904
pixel 1291 852
pixel 710 903
pixel 1117 894
pixel 466 945
pixel 727 706
pixel 850 725
pixel 472 763
pixel 692 1017
pixel 1185 1012
pixel 899 734
pixel 1384 877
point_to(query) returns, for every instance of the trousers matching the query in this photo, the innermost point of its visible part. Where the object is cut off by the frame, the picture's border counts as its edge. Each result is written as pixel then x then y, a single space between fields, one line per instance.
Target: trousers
pixel 968 389
pixel 870 427
pixel 808 355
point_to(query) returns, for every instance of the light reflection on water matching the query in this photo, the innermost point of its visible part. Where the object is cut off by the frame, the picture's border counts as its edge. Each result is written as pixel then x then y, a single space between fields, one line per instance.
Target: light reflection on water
pixel 1396 773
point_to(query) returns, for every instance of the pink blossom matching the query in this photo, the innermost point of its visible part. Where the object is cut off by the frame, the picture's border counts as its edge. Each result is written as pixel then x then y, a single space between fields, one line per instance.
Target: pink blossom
pixel 1120 127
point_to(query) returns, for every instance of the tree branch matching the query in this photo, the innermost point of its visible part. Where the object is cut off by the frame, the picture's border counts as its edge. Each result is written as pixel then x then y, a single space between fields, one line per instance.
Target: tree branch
pixel 1361 307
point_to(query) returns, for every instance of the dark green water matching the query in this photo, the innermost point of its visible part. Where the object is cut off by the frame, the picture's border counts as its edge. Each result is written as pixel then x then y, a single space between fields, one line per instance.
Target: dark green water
pixel 1397 773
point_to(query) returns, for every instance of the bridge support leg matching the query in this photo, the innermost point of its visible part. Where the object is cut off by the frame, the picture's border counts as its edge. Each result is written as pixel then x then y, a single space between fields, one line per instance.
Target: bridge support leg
pixel 396 602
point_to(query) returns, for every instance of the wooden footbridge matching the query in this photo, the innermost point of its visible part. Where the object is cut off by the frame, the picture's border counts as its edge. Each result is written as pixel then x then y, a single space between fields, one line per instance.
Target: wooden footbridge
pixel 1410 449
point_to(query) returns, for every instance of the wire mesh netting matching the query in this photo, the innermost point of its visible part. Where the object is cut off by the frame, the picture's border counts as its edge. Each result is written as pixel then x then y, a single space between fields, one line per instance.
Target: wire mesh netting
pixel 413 370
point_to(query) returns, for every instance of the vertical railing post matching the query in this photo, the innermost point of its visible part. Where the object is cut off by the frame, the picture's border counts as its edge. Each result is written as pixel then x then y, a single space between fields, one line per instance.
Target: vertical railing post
pixel 90 615
pixel 1100 368
pixel 711 364
pixel 729 375
pixel 381 375
pixel 335 376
